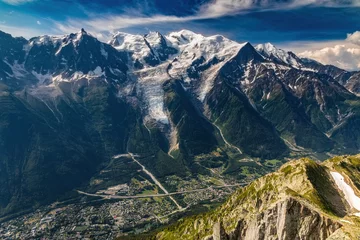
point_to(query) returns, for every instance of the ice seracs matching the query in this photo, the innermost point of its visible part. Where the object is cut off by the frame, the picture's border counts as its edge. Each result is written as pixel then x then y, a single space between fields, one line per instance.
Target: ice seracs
pixel 150 81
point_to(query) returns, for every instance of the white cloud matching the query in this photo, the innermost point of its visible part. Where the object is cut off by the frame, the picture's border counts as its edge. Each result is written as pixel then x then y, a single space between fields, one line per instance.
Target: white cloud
pixel 214 9
pixel 345 55
pixel 16 2
pixel 218 8
pixel 38 22
pixel 354 38
pixel 21 32
pixel 114 22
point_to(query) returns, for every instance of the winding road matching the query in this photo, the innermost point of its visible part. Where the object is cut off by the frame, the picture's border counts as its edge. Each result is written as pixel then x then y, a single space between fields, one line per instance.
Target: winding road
pixel 155 180
pixel 160 194
pixel 165 194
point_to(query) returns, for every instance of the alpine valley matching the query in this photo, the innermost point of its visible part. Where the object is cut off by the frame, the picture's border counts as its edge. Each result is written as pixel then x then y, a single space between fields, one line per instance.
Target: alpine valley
pixel 104 140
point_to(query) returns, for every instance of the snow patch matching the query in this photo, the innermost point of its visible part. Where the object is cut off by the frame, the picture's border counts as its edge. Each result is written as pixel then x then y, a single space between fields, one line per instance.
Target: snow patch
pixel 96 73
pixel 351 198
pixel 104 52
pixel 308 69
pixel 17 69
pixel 42 77
pixel 275 67
pixel 268 96
pixel 46 40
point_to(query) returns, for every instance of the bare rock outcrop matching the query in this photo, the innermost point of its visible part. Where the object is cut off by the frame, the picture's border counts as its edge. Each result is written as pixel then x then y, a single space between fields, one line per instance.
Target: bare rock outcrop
pixel 289 219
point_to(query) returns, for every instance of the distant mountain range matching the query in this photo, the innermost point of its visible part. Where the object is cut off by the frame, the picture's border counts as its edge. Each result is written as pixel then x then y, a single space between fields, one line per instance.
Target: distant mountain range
pixel 186 102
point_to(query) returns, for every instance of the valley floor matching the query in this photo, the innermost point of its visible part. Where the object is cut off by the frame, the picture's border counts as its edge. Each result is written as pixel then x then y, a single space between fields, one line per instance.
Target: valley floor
pixel 123 209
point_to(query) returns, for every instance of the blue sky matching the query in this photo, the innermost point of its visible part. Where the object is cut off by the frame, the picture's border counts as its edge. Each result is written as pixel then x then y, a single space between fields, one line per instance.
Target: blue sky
pixel 305 26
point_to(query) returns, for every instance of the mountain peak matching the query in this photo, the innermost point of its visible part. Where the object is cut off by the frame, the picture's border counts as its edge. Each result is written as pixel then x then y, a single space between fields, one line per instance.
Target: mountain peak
pixel 82 31
pixel 186 32
pixel 79 35
pixel 269 49
pixel 184 36
pixel 45 40
pixel 153 34
pixel 271 52
pixel 154 38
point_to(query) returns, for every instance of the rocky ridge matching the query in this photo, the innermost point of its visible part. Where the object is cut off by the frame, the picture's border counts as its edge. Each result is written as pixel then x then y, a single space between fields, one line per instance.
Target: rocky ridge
pixel 301 200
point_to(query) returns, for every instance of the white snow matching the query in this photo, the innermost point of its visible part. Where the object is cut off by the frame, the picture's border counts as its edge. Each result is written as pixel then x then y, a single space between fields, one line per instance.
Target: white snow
pixel 351 198
pixel 275 67
pixel 103 51
pixel 136 44
pixel 96 73
pixel 150 81
pixel 46 40
pixel 247 70
pixel 42 77
pixel 194 46
pixel 183 37
pixel 308 69
pixel 207 47
pixel 58 42
pixel 208 82
pixel 17 69
pixel 268 96
pixel 154 39
pixel 268 50
pixel 191 47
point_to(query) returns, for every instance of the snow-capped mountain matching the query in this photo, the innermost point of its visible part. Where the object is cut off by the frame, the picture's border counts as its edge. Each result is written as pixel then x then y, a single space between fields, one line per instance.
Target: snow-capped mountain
pixel 72 57
pixel 148 50
pixel 272 53
pixel 179 55
pixel 177 99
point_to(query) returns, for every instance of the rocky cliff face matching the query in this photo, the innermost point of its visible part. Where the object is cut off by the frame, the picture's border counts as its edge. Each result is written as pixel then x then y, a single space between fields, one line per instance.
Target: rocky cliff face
pixel 289 219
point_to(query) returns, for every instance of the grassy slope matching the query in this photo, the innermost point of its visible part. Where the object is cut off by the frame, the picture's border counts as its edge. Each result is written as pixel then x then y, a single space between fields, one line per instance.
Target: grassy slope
pixel 242 125
pixel 305 180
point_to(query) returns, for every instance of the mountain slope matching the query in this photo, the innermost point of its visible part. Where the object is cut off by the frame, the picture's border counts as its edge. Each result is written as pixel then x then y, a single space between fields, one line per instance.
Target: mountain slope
pixel 189 104
pixel 303 199
pixel 49 146
pixel 312 104
pixel 348 79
